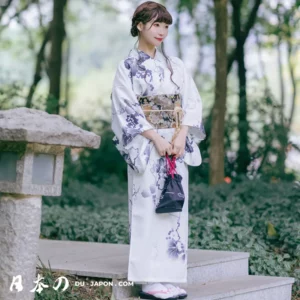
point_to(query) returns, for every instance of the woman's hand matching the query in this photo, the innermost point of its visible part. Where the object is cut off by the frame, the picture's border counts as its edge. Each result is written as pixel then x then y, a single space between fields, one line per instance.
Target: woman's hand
pixel 178 144
pixel 162 146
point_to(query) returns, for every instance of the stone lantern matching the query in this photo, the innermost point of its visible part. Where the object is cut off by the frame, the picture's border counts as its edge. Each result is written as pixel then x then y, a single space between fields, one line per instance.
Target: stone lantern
pixel 32 144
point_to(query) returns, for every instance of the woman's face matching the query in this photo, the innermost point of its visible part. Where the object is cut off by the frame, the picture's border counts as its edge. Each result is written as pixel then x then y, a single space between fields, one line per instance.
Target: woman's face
pixel 156 34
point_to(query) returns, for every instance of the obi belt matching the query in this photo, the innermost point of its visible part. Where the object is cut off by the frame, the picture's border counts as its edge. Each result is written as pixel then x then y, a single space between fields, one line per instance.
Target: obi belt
pixel 163 110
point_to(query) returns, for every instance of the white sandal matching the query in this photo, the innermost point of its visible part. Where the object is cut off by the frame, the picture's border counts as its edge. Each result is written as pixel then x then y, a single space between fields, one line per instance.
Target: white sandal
pixel 157 291
pixel 176 290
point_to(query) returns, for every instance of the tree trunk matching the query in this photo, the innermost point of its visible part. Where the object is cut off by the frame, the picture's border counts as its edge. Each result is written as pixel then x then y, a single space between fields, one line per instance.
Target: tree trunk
pixel 216 150
pixel 282 132
pixel 294 84
pixel 67 75
pixel 243 155
pixel 57 33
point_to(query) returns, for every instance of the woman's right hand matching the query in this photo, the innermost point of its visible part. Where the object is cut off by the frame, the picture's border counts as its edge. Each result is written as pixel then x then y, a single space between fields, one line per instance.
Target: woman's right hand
pixel 162 146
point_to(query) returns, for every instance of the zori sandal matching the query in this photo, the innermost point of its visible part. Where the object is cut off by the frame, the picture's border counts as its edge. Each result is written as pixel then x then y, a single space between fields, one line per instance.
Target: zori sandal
pixel 166 295
pixel 157 291
pixel 181 293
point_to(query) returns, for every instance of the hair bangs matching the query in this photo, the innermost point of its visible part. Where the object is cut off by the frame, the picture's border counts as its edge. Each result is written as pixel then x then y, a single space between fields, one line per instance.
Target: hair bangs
pixel 161 15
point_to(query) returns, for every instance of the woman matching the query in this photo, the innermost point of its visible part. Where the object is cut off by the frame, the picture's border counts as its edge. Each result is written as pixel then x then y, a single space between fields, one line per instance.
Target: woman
pixel 147 88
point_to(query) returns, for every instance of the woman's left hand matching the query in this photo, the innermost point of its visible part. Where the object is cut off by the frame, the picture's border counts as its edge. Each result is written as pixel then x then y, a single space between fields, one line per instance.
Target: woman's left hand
pixel 179 142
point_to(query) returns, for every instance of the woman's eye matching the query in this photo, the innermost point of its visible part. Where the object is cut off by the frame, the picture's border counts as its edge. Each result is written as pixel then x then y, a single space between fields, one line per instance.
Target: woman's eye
pixel 157 24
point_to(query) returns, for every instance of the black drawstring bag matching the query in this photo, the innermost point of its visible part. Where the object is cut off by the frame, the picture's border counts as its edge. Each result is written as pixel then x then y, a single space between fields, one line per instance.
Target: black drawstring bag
pixel 172 196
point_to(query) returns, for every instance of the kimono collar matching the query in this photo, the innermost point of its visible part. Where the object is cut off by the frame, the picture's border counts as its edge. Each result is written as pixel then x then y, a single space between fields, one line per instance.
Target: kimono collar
pixel 137 53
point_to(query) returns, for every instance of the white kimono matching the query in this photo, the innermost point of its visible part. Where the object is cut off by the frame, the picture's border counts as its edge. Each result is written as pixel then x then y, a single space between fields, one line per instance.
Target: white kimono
pixel 158 242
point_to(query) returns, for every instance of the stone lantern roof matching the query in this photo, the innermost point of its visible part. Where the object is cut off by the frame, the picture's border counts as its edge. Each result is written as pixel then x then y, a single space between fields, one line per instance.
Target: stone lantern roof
pixel 35 126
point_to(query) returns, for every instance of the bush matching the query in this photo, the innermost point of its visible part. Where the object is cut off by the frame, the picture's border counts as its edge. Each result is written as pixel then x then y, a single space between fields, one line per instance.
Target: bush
pixel 85 224
pixel 76 193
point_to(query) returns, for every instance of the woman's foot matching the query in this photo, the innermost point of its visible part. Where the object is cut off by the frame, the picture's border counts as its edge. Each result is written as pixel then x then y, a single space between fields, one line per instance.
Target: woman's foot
pixel 176 290
pixel 156 291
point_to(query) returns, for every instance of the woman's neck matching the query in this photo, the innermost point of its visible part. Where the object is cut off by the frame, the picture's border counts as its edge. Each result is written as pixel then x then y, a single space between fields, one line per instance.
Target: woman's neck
pixel 148 49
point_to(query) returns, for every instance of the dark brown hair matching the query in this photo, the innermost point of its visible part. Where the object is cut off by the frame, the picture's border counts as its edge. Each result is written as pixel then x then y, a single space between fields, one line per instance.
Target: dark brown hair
pixel 144 13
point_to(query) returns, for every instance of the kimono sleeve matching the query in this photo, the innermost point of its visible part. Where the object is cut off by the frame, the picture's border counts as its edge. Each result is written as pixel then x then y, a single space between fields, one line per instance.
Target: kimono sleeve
pixel 128 121
pixel 192 107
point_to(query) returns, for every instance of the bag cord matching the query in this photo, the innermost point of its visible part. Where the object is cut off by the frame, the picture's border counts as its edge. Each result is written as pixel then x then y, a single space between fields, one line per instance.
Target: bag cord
pixel 172 165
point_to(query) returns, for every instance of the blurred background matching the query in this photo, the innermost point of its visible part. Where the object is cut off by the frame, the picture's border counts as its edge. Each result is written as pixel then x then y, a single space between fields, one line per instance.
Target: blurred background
pixel 61 56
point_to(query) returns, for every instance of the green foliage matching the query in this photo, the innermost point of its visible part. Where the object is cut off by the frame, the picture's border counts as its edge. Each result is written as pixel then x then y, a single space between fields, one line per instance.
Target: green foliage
pixel 75 193
pixel 269 137
pixel 85 224
pixel 97 165
pixel 11 95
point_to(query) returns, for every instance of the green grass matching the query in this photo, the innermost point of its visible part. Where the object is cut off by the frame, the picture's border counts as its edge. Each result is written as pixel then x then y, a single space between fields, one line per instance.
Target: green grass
pixel 79 287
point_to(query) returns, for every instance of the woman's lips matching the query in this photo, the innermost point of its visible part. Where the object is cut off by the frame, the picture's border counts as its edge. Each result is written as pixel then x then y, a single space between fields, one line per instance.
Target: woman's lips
pixel 159 39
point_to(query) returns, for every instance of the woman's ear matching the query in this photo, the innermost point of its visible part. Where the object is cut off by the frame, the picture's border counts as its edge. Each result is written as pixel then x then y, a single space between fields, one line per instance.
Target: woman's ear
pixel 140 26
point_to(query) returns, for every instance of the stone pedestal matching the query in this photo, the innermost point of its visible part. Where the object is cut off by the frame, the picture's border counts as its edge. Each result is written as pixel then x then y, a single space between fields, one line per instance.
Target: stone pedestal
pixel 20 219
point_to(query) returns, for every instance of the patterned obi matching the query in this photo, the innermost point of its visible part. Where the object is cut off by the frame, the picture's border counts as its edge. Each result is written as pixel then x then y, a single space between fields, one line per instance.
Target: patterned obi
pixel 162 111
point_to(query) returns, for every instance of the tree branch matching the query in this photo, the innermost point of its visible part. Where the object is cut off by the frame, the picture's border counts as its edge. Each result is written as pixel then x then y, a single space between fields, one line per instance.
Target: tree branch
pixel 245 32
pixel 17 14
pixel 38 69
pixel 4 8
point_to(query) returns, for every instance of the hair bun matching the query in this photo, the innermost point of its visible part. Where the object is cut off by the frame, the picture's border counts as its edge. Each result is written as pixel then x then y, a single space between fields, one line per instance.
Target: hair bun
pixel 134 31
